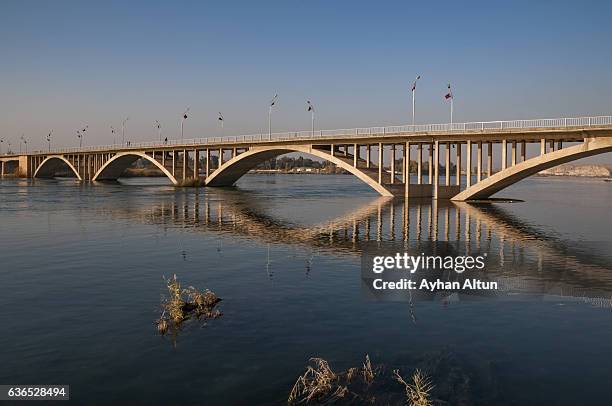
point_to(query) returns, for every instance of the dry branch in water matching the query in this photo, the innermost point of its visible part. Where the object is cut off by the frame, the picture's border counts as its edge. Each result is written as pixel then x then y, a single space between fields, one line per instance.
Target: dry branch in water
pixel 182 303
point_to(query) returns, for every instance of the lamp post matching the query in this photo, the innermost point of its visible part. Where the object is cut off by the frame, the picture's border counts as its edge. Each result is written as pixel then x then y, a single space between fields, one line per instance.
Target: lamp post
pixel 413 96
pixel 272 104
pixel 1 142
pixel 123 130
pixel 183 121
pixel 220 119
pixel 158 125
pixel 25 143
pixel 49 139
pixel 310 107
pixel 113 133
pixel 450 96
pixel 81 134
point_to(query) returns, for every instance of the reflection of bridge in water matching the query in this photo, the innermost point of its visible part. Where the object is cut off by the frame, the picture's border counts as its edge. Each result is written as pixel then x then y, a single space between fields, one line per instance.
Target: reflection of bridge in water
pixel 525 260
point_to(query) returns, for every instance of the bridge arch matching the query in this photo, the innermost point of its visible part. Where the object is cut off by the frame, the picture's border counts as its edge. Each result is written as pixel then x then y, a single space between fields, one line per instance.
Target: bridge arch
pixel 114 167
pixel 49 166
pixel 229 172
pixel 513 174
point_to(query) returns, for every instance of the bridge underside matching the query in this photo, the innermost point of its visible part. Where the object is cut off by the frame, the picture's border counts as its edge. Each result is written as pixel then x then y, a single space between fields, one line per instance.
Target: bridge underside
pixel 229 172
pixel 54 166
pixel 501 180
pixel 117 165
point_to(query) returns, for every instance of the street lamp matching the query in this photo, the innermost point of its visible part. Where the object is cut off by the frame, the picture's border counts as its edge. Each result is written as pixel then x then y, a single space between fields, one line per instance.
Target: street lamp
pixel 81 134
pixel 1 142
pixel 114 134
pixel 413 94
pixel 272 104
pixel 158 125
pixel 183 121
pixel 25 143
pixel 310 107
pixel 450 96
pixel 49 139
pixel 123 130
pixel 220 119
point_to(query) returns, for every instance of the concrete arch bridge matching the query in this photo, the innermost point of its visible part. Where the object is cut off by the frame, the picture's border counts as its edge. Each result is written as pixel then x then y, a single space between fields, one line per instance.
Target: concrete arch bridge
pixel 460 161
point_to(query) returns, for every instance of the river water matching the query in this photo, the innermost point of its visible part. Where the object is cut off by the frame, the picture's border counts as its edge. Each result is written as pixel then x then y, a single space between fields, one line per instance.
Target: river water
pixel 81 268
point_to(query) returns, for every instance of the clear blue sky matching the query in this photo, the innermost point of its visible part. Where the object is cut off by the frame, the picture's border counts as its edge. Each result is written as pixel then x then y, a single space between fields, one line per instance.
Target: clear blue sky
pixel 66 64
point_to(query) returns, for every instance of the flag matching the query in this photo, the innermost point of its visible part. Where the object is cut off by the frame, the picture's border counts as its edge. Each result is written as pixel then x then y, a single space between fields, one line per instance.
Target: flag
pixel 414 83
pixel 310 106
pixel 220 117
pixel 449 95
pixel 273 102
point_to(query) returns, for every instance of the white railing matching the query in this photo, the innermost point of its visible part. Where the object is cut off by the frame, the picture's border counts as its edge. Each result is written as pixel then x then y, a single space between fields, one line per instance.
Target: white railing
pixel 407 130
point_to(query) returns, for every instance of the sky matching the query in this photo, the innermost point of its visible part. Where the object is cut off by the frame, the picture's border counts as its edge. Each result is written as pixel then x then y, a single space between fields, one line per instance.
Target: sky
pixel 65 65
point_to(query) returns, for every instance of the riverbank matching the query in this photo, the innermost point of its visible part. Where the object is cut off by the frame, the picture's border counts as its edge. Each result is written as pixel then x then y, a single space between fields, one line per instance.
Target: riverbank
pixel 592 171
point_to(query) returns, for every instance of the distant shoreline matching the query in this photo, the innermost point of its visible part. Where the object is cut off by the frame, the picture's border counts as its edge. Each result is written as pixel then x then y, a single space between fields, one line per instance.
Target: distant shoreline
pixel 582 171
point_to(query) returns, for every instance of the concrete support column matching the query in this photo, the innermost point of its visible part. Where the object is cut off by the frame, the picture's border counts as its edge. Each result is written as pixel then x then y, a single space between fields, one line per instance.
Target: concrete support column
pixel 420 164
pixel 355 154
pixel 331 149
pixel 392 163
pixel 468 164
pixel 196 164
pixel 207 162
pixel 559 145
pixel 368 151
pixel 184 164
pixel 552 145
pixel 436 169
pixel 431 158
pixel 542 146
pixel 504 157
pixel 87 167
pixel 380 162
pixel 513 153
pixel 173 163
pixel 447 164
pixel 479 161
pixel 345 150
pixel 406 168
pixel 523 151
pixel 220 157
pixel 2 169
pixel 458 164
pixel 489 159
pixel 234 152
pixel 405 157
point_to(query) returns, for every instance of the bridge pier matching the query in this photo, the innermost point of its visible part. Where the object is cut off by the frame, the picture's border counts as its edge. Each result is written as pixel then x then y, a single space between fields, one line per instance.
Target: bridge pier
pixel 420 164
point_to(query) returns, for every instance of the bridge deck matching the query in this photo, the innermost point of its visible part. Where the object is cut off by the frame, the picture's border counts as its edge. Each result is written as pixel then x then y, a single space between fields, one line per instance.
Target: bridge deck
pixel 565 129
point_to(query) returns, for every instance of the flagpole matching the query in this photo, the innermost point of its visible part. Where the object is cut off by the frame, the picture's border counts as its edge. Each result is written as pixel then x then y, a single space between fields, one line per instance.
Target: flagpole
pixel 413 98
pixel 272 103
pixel 312 124
pixel 270 123
pixel 413 92
pixel 452 98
